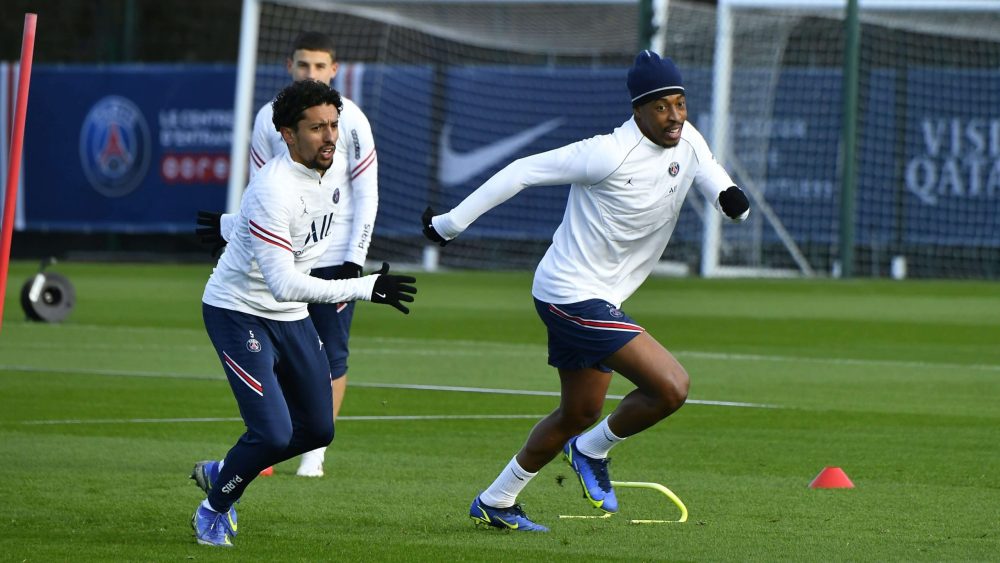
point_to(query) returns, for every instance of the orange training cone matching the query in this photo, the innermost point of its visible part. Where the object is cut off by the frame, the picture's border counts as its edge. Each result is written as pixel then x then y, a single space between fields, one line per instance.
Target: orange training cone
pixel 831 478
pixel 267 472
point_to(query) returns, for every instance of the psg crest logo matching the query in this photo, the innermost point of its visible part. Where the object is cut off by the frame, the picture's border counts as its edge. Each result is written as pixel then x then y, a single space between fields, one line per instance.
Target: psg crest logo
pixel 674 169
pixel 615 312
pixel 253 344
pixel 114 146
pixel 336 195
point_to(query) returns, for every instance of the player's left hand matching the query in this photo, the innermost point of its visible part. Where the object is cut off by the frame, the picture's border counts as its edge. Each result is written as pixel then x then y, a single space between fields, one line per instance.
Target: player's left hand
pixel 428 227
pixel 391 289
pixel 209 230
pixel 346 271
pixel 734 203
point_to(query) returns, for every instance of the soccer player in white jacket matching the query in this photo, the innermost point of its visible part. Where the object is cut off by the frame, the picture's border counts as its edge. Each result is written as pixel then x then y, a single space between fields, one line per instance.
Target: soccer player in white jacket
pixel 255 305
pixel 626 192
pixel 313 57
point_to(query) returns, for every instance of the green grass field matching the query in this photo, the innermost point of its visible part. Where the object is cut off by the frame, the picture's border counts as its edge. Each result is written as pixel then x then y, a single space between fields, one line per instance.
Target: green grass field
pixel 102 417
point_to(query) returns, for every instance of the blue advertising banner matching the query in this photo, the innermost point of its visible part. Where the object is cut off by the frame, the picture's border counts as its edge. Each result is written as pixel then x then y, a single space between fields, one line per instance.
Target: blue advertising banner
pixel 952 167
pixel 126 148
pixel 149 146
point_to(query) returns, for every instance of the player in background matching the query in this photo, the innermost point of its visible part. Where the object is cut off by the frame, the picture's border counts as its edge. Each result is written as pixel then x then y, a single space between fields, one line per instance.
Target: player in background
pixel 255 305
pixel 313 56
pixel 626 192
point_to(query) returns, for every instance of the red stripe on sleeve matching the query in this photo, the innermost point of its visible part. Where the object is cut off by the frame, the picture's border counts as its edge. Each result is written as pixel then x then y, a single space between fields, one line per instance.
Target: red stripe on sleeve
pixel 364 163
pixel 257 160
pixel 269 237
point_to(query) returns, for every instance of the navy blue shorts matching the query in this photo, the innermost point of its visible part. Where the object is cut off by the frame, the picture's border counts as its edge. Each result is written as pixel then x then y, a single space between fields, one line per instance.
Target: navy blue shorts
pixel 333 323
pixel 584 334
pixel 269 363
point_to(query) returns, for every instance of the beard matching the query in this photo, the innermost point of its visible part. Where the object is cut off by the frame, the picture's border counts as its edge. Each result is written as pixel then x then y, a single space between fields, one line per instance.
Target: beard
pixel 316 164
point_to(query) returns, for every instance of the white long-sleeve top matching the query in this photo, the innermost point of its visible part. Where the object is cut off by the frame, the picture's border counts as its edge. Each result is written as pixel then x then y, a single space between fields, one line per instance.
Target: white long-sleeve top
pixel 284 226
pixel 352 234
pixel 625 195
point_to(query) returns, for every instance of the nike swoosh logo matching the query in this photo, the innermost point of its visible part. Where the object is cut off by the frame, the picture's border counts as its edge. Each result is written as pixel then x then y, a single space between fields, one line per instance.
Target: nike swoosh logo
pixel 380 295
pixel 508 524
pixel 456 168
pixel 486 518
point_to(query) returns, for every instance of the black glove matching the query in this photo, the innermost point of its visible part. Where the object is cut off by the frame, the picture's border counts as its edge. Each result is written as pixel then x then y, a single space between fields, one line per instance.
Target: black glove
pixel 733 202
pixel 429 232
pixel 391 289
pixel 210 230
pixel 346 271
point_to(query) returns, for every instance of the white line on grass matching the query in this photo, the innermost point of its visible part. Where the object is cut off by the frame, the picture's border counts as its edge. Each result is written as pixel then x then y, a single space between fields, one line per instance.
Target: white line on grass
pixel 539 393
pixel 79 371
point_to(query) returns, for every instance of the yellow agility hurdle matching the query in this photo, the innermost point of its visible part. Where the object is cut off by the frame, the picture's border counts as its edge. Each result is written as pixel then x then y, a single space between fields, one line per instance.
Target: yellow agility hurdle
pixel 641 485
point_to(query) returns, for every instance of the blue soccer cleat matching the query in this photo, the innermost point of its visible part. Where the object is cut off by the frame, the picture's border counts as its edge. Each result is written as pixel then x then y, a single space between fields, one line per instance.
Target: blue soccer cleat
pixel 593 474
pixel 510 518
pixel 205 473
pixel 229 520
pixel 210 527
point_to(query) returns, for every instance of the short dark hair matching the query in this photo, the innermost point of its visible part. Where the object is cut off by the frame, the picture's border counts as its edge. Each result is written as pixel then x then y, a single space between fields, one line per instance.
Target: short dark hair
pixel 297 97
pixel 314 41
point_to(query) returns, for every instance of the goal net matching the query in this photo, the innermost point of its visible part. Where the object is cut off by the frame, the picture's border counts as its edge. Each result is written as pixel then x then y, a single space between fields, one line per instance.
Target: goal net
pixel 928 136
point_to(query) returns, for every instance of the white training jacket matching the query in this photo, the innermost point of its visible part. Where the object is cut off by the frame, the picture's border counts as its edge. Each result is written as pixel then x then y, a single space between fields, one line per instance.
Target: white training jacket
pixel 285 224
pixel 625 195
pixel 352 234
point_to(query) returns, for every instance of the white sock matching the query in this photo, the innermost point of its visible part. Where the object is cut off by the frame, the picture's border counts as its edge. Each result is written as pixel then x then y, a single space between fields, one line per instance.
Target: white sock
pixel 317 454
pixel 598 441
pixel 503 492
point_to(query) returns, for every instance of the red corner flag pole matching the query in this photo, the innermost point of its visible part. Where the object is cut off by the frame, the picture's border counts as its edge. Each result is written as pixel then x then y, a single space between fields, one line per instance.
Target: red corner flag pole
pixel 14 162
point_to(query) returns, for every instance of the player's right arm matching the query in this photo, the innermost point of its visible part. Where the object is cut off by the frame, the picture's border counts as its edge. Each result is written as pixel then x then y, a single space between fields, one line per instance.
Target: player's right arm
pixel 570 164
pixel 261 149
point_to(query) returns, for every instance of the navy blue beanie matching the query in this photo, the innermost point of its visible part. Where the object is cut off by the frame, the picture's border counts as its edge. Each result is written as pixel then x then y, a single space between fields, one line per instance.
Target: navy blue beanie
pixel 651 78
